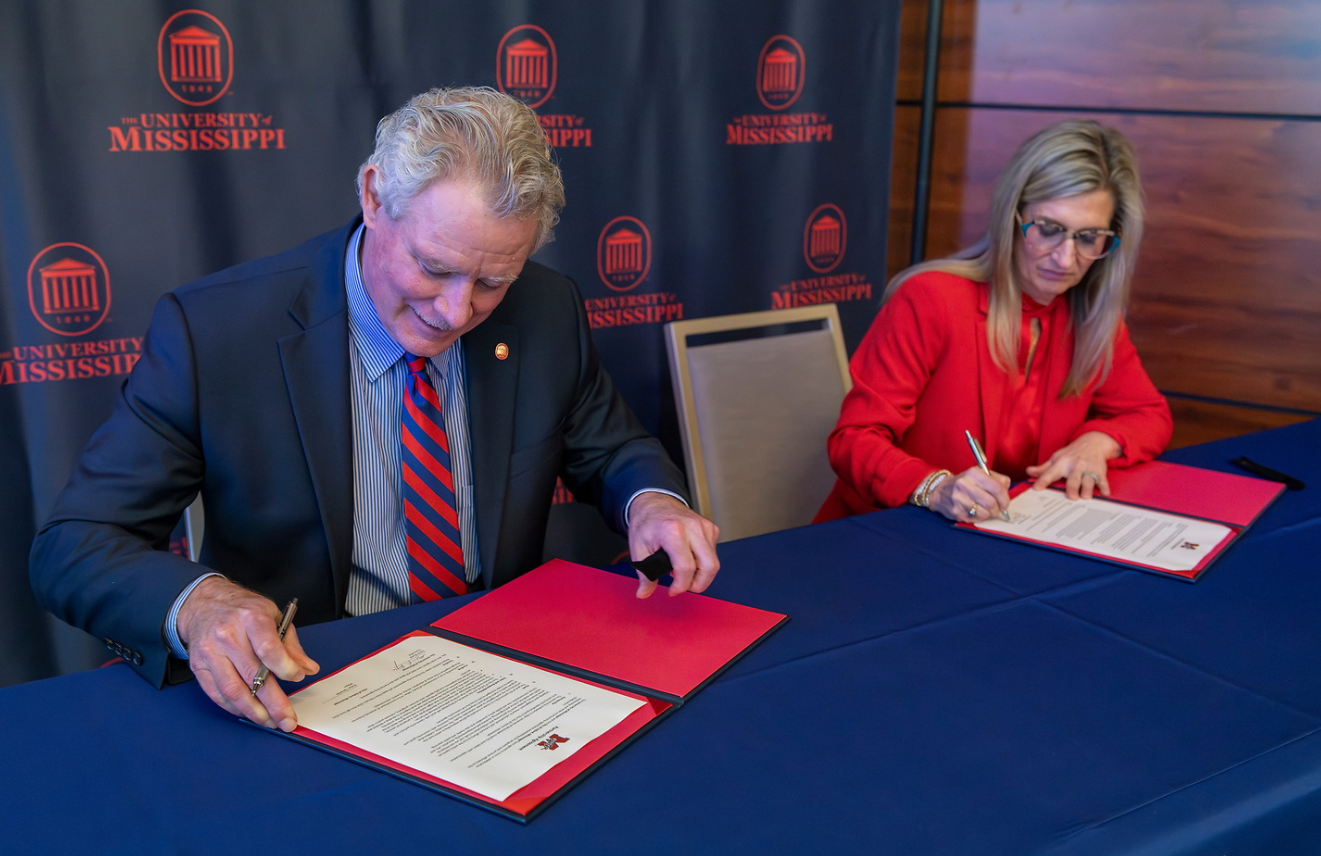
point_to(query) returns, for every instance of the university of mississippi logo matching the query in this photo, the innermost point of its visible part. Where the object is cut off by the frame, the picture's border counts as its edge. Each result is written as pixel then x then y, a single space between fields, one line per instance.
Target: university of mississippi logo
pixel 69 289
pixel 195 57
pixel 526 65
pixel 824 238
pixel 552 742
pixel 781 69
pixel 623 253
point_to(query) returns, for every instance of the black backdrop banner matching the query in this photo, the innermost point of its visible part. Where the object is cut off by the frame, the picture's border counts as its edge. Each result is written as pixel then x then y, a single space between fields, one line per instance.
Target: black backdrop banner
pixel 719 156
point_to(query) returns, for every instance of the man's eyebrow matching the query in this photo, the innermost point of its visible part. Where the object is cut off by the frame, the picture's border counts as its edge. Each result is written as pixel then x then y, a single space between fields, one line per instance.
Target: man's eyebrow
pixel 441 267
pixel 436 264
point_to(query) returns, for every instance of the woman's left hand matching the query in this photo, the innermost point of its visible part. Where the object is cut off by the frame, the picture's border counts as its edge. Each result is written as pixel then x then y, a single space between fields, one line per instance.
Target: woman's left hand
pixel 1082 465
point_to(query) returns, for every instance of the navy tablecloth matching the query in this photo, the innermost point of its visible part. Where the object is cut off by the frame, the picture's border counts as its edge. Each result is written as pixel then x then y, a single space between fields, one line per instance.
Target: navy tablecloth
pixel 935 692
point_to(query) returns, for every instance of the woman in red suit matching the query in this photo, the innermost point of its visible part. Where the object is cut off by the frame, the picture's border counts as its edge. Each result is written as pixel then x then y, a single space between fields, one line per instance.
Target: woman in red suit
pixel 1019 339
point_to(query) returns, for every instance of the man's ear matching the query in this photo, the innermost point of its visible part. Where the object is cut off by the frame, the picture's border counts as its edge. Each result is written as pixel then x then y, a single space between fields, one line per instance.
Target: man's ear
pixel 368 198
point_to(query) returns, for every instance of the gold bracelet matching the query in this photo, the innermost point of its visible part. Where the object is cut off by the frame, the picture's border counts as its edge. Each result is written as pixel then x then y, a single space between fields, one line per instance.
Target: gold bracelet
pixel 921 492
pixel 922 496
pixel 936 478
pixel 916 498
pixel 935 482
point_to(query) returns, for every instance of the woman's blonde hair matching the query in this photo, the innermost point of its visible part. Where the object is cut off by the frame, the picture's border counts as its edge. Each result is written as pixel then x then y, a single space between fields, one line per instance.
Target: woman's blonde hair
pixel 1062 160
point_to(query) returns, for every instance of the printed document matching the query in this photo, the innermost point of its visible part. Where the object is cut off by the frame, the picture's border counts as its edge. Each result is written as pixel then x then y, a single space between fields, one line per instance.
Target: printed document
pixel 476 720
pixel 1111 529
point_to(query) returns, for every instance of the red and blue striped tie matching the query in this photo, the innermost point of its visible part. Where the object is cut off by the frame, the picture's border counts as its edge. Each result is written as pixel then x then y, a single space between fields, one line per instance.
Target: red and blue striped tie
pixel 435 557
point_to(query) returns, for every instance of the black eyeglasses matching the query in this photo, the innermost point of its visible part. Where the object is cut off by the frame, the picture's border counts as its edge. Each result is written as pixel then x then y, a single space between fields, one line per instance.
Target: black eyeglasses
pixel 1045 235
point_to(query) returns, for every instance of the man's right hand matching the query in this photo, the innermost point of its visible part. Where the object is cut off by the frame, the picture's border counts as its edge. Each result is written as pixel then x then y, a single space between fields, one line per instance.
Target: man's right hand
pixel 230 632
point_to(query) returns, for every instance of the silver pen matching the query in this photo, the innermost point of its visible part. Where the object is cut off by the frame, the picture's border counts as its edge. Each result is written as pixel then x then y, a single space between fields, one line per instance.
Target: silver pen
pixel 285 620
pixel 981 461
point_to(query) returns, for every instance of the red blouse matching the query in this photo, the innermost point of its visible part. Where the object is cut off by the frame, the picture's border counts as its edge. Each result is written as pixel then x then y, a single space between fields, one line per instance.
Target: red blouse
pixel 924 373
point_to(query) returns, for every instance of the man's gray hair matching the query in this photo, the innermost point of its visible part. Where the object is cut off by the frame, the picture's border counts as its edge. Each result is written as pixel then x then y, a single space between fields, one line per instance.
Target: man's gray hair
pixel 473 133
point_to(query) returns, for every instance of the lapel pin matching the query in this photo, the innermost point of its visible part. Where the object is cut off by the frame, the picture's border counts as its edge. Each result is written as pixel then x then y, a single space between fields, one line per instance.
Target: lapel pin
pixel 502 351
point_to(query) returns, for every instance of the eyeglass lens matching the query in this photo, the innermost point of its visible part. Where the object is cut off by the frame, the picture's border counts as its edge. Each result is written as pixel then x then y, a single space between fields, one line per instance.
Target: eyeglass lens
pixel 1090 243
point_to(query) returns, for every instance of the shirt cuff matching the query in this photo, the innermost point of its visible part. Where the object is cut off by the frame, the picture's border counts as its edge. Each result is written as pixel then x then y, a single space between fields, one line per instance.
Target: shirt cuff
pixel 629 504
pixel 171 631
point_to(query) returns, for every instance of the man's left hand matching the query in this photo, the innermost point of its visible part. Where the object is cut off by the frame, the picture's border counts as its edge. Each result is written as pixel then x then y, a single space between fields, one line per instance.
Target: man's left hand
pixel 658 521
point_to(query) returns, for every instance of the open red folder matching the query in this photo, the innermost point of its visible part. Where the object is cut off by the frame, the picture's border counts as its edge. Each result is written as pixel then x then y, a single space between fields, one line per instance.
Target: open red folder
pixel 587 624
pixel 1231 500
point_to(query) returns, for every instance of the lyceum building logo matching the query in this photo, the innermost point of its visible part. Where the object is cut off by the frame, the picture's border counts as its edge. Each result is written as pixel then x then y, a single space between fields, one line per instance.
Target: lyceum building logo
pixel 69 289
pixel 781 69
pixel 195 57
pixel 825 236
pixel 623 253
pixel 623 260
pixel 781 75
pixel 526 65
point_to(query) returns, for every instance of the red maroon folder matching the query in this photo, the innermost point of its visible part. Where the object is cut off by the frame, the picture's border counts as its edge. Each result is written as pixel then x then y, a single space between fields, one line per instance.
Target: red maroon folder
pixel 587 624
pixel 1229 499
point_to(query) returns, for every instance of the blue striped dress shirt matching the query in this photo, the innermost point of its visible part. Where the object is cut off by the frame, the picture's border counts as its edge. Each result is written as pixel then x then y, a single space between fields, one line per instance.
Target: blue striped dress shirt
pixel 379 377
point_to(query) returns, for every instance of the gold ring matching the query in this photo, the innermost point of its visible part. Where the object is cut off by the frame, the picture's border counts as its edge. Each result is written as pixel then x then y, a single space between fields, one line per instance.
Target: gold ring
pixel 972 511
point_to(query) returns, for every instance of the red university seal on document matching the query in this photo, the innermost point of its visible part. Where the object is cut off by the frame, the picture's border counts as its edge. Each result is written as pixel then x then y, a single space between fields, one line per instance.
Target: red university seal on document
pixel 552 742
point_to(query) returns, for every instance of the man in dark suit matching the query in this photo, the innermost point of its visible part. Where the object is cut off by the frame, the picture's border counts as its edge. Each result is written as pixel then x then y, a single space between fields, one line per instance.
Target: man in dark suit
pixel 276 389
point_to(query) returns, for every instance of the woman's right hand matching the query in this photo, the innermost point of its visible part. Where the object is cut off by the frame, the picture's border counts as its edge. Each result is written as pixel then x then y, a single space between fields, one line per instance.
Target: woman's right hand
pixel 971 496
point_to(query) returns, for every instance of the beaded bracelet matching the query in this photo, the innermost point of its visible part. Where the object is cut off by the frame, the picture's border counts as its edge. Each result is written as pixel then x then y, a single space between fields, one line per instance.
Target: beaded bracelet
pixel 940 477
pixel 922 496
pixel 916 498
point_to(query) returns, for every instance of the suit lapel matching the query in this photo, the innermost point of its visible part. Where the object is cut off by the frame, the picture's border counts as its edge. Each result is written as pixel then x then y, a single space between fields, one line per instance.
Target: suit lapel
pixel 316 371
pixel 492 388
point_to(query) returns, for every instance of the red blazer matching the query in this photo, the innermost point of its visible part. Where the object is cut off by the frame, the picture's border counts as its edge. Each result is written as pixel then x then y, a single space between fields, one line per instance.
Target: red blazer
pixel 924 373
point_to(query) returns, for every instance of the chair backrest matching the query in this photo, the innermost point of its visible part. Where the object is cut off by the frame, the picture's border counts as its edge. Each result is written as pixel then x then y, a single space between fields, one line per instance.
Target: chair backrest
pixel 757 395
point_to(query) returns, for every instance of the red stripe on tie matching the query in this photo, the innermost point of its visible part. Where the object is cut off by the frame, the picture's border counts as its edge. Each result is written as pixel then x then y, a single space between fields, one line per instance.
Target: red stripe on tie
pixel 430 498
pixel 434 431
pixel 428 529
pixel 435 560
pixel 427 390
pixel 435 568
pixel 428 461
pixel 423 593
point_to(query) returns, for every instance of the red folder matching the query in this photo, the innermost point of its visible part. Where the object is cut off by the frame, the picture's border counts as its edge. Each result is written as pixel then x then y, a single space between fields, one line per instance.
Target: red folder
pixel 1229 499
pixel 587 624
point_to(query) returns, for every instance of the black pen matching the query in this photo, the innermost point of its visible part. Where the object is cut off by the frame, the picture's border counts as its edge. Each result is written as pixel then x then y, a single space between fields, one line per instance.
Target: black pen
pixel 287 619
pixel 981 461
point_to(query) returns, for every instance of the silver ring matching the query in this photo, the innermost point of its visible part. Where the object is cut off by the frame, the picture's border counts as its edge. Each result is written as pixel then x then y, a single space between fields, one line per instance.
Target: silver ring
pixel 972 511
pixel 1093 476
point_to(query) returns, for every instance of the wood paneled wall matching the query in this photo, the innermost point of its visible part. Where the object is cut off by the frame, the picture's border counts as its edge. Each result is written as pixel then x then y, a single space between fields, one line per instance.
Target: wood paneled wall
pixel 1222 100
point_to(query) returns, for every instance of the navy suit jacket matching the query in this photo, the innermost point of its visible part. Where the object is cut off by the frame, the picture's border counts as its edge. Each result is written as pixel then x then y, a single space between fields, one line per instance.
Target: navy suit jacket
pixel 243 394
